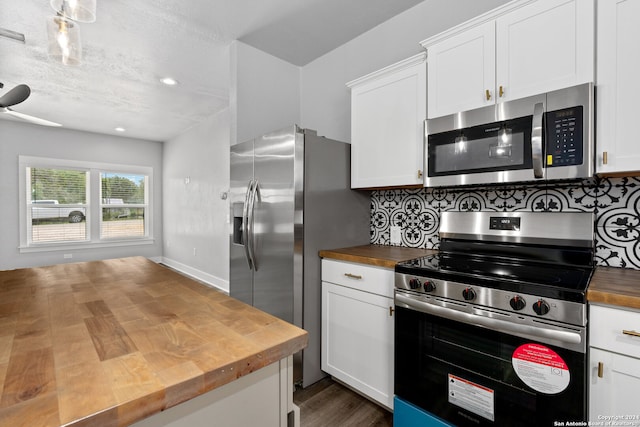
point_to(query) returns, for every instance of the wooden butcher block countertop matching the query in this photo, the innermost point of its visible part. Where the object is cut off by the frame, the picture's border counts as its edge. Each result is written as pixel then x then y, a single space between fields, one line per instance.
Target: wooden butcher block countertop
pixel 108 343
pixel 615 286
pixel 379 255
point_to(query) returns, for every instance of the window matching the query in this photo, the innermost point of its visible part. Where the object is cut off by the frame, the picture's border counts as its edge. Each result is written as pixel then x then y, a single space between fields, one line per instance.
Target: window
pixel 78 204
pixel 123 205
pixel 57 205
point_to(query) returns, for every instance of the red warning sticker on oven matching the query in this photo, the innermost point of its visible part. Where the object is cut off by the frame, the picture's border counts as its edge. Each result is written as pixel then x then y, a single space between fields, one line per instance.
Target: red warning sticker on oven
pixel 541 368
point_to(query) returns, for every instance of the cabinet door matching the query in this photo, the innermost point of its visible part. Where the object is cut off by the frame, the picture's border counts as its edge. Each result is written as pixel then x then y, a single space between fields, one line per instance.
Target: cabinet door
pixel 544 46
pixel 618 86
pixel 461 69
pixel 616 392
pixel 387 115
pixel 357 340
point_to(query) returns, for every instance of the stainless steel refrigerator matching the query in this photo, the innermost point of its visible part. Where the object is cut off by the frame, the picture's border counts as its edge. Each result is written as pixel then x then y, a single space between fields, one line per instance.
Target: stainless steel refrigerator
pixel 290 197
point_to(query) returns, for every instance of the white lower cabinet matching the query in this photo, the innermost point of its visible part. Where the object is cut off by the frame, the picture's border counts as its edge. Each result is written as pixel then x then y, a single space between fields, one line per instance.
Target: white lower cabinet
pixel 357 327
pixel 614 366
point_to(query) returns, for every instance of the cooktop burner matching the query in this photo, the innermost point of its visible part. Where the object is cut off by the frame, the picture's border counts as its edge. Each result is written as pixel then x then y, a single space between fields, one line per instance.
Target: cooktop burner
pixel 496 271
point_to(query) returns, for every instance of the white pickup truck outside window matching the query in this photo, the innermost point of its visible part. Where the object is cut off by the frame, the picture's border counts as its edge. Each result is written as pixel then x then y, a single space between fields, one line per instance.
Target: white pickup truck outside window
pixel 52 209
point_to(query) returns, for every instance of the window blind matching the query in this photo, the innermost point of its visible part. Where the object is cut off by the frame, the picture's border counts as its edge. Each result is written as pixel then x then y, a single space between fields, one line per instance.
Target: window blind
pixel 57 204
pixel 123 205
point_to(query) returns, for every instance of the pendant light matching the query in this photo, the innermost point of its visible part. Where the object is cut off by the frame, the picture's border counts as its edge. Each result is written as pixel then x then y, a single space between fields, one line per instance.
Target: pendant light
pixel 63 29
pixel 64 40
pixel 77 10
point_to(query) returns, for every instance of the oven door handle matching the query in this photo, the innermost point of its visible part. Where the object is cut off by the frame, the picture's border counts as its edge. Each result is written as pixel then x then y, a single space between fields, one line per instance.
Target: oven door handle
pixel 405 301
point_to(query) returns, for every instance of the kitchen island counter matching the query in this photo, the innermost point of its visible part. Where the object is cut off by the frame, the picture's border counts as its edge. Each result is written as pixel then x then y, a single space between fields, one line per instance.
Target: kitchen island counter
pixel 112 342
pixel 378 255
pixel 615 286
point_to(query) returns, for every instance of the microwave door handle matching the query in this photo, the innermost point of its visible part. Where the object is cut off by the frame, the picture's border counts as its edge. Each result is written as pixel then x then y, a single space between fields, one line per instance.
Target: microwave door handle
pixel 536 141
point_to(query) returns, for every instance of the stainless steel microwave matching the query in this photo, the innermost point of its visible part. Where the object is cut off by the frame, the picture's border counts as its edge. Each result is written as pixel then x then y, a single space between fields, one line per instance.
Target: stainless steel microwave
pixel 544 137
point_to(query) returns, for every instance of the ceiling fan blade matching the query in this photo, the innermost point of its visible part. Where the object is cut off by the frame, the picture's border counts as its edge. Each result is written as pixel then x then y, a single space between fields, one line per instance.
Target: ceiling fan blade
pixel 29 118
pixel 15 96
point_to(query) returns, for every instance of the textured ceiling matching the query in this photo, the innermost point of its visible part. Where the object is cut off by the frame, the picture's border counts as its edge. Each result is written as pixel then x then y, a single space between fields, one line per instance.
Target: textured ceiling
pixel 133 44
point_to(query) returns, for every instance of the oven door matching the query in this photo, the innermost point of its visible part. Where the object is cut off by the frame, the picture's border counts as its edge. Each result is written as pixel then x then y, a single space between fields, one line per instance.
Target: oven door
pixel 473 376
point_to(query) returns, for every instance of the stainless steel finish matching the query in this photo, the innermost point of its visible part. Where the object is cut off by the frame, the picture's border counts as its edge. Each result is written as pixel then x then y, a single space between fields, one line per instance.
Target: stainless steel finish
pixel 536 141
pixel 577 95
pixel 241 173
pixel 304 362
pixel 272 240
pixel 553 333
pixel 292 169
pixel 481 116
pixel 567 312
pixel 245 225
pixel 255 197
pixel 564 98
pixel 558 228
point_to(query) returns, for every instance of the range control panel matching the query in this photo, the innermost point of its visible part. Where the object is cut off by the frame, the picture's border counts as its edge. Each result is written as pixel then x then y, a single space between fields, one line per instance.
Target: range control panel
pixel 564 137
pixel 520 304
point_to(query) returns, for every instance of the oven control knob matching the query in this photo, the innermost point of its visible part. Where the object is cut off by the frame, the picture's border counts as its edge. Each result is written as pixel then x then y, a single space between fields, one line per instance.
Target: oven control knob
pixel 469 294
pixel 414 283
pixel 541 307
pixel 429 286
pixel 517 303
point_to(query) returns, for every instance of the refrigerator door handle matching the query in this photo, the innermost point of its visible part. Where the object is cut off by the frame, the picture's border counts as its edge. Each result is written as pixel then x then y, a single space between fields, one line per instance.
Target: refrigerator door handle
pixel 255 193
pixel 245 225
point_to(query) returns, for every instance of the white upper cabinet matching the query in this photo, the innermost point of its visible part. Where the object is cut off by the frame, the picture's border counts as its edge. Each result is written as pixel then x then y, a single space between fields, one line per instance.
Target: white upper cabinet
pixel 388 108
pixel 544 46
pixel 461 71
pixel 521 49
pixel 618 86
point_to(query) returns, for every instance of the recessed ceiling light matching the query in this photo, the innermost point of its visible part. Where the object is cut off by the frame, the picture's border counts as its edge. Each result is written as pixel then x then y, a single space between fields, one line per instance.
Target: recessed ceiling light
pixel 120 129
pixel 169 81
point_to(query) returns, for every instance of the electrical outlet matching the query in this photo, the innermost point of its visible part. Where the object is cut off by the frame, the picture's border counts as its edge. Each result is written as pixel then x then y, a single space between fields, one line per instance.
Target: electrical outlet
pixel 396 237
pixel 194 251
pixel 67 256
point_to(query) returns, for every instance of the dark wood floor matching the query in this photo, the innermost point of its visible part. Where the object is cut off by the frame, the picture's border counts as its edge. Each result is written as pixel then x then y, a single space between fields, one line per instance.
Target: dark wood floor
pixel 328 403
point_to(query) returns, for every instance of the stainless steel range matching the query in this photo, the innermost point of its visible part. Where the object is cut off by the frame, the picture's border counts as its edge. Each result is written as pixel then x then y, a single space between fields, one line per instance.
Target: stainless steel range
pixel 492 329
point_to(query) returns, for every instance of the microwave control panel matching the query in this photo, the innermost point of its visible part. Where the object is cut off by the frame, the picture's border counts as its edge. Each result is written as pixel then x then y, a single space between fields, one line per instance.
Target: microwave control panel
pixel 564 137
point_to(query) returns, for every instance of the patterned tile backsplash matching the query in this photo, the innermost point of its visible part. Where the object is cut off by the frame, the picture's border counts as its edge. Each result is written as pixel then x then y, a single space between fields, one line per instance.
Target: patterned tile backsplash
pixel 614 201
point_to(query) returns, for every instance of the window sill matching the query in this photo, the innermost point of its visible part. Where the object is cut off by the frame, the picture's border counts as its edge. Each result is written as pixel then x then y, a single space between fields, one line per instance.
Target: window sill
pixel 84 245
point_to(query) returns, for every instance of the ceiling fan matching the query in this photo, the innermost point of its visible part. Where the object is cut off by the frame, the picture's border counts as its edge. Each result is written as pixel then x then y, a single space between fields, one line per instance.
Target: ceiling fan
pixel 15 96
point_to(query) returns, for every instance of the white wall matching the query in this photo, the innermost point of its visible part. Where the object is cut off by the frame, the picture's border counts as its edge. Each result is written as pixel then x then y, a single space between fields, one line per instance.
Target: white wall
pixel 31 140
pixel 326 101
pixel 195 173
pixel 264 94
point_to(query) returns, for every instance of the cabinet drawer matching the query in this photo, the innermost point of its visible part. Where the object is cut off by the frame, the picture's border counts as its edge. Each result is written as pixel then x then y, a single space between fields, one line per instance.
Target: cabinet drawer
pixel 606 326
pixel 376 280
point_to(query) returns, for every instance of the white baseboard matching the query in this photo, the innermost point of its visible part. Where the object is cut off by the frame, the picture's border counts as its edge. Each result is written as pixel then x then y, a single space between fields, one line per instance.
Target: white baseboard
pixel 208 279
